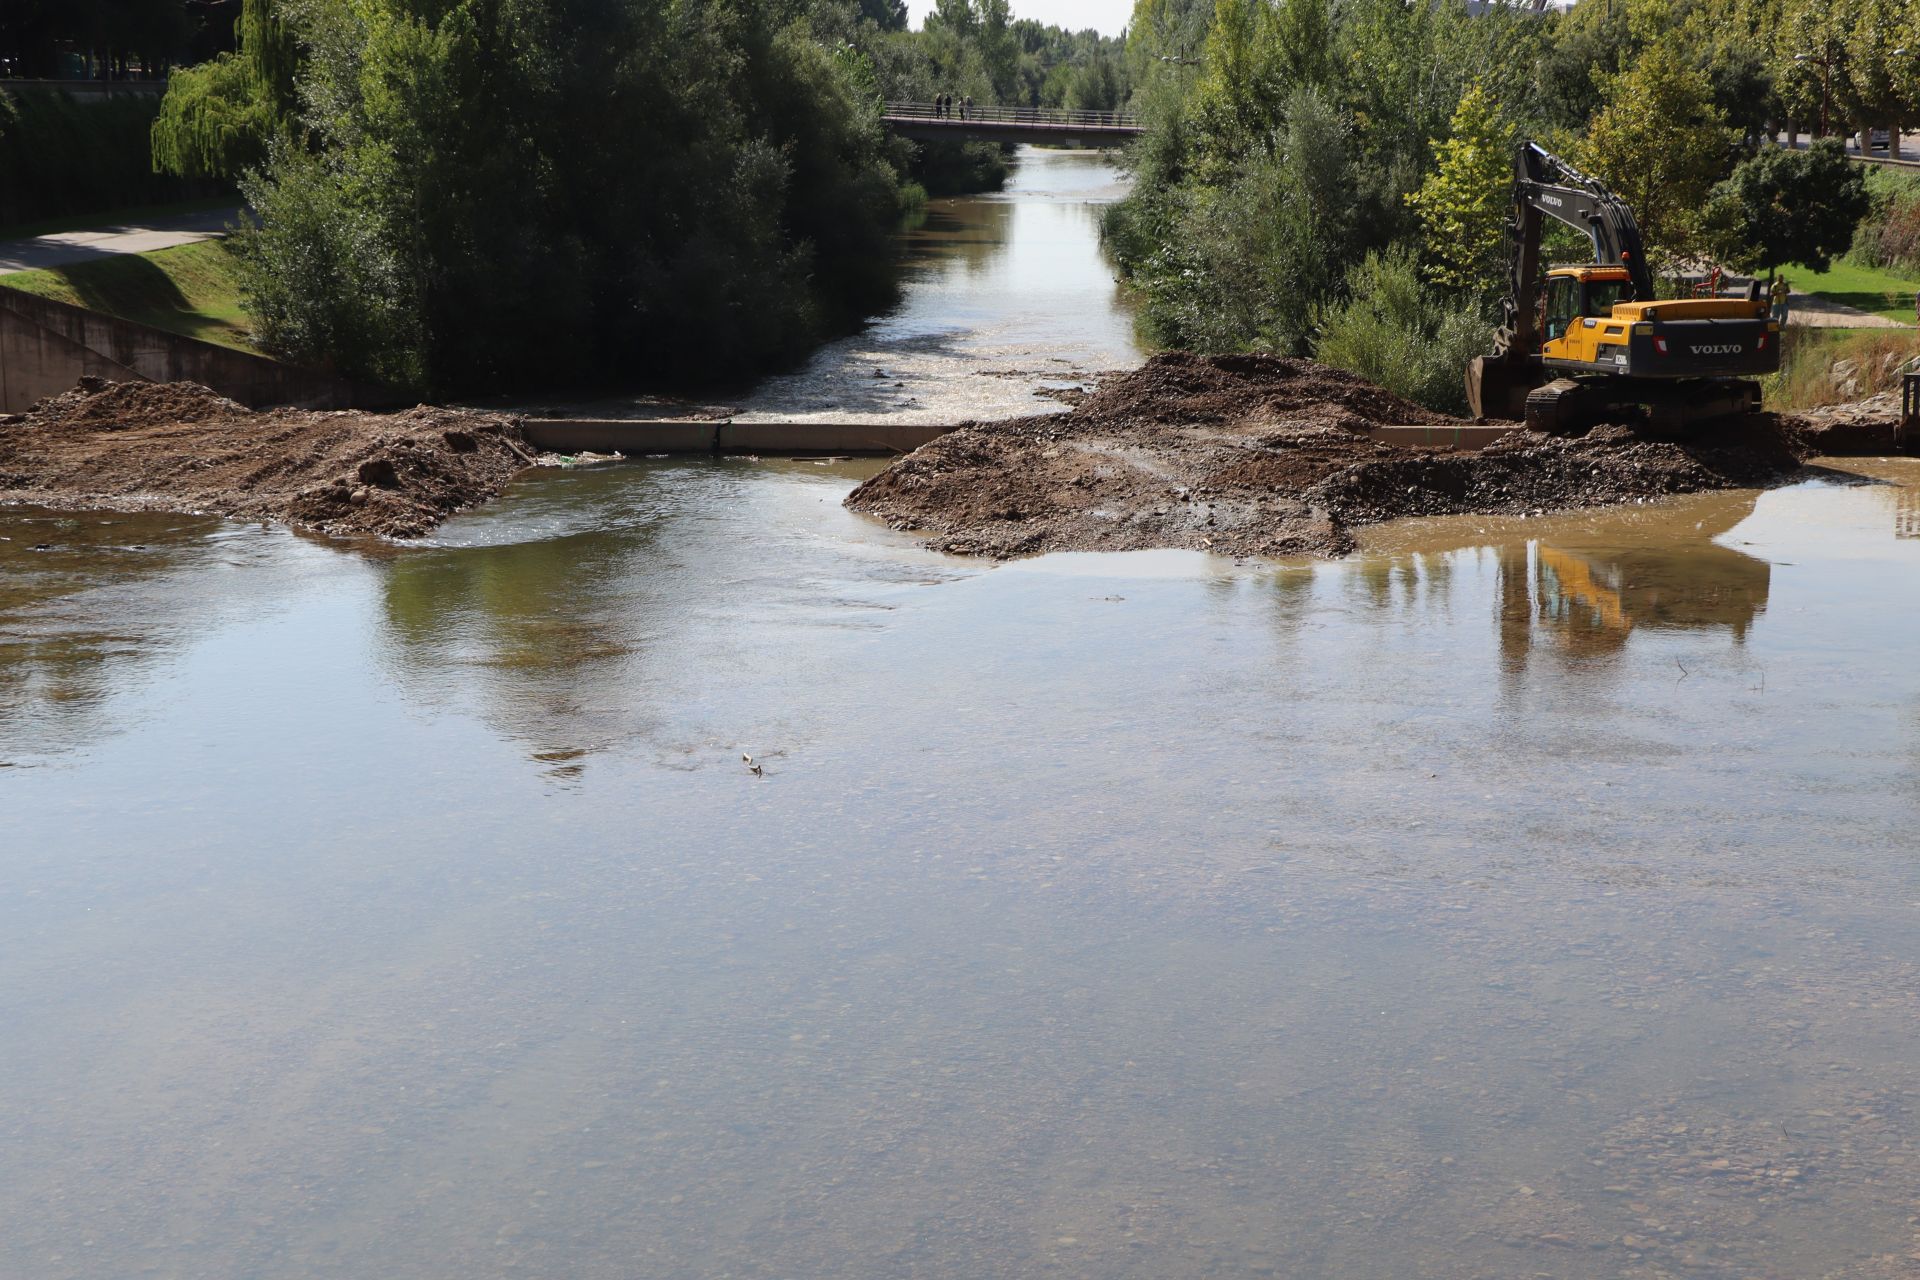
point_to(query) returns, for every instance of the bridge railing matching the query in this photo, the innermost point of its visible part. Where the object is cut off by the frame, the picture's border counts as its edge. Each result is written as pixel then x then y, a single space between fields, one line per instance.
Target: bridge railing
pixel 1047 117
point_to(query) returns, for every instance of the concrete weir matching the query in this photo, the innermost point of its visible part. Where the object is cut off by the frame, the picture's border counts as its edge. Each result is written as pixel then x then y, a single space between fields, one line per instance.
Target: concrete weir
pixel 683 436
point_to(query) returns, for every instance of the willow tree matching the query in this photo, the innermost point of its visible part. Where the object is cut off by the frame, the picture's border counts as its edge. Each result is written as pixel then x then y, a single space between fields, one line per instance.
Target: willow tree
pixel 219 118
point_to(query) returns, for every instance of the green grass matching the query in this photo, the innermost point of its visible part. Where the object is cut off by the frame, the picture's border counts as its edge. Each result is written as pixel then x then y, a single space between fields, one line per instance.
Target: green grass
pixel 1864 288
pixel 193 290
pixel 133 213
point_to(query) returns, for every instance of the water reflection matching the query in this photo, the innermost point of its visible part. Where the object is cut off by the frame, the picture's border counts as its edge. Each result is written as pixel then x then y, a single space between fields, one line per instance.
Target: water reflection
pixel 1585 599
pixel 563 617
pixel 1906 511
pixel 84 610
pixel 539 633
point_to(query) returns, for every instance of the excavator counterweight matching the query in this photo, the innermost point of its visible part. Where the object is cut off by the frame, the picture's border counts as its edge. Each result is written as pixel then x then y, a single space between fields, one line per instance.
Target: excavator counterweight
pixel 1593 341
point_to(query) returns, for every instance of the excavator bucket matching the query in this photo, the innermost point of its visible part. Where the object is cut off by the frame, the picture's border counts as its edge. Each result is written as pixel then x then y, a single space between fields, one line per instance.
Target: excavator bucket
pixel 1497 386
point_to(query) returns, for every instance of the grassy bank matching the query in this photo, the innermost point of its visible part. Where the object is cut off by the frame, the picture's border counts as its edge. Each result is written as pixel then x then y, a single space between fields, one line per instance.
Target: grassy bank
pixel 1829 366
pixel 1865 288
pixel 193 290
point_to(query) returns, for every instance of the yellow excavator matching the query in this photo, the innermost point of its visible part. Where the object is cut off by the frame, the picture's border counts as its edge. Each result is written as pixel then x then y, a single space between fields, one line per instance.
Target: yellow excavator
pixel 1596 345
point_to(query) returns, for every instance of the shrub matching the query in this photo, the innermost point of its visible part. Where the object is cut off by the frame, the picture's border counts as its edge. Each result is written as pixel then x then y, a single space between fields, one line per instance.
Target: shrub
pixel 1395 330
pixel 1889 236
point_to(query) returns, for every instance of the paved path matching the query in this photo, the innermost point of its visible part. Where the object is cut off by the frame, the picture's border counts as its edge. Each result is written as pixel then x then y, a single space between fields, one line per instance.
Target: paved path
pixel 63 247
pixel 1823 313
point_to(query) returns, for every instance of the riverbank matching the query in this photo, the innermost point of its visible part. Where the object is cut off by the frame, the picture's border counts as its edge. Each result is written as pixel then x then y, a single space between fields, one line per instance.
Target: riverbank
pixel 1269 456
pixel 142 446
pixel 1236 455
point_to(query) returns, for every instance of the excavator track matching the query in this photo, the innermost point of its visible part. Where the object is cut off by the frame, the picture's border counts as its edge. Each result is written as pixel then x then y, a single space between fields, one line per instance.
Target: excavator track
pixel 1560 406
pixel 1568 405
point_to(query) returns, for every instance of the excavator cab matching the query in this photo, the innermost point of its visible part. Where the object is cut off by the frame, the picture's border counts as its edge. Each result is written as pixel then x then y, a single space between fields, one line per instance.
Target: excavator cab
pixel 1575 293
pixel 1597 341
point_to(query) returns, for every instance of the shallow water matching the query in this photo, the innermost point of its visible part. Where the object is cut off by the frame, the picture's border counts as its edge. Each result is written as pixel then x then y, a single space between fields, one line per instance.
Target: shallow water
pixel 1007 301
pixel 1522 897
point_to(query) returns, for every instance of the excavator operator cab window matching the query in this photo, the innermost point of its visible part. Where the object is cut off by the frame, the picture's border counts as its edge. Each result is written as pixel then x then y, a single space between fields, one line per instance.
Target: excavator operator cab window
pixel 1563 304
pixel 1602 294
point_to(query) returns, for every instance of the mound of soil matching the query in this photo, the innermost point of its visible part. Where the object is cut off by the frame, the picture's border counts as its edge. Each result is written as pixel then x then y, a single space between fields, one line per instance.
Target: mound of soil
pixel 178 446
pixel 1265 455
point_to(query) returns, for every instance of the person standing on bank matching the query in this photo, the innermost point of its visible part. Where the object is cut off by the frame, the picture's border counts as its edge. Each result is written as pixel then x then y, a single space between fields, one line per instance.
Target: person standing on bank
pixel 1781 292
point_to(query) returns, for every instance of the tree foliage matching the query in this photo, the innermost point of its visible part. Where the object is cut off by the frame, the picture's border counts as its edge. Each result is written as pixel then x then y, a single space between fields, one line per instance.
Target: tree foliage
pixel 218 119
pixel 1394 330
pixel 1660 99
pixel 1661 144
pixel 1464 204
pixel 490 193
pixel 61 156
pixel 1788 206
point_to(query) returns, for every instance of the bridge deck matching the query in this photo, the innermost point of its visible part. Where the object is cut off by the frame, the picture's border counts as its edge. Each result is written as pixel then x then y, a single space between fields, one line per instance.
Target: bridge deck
pixel 924 121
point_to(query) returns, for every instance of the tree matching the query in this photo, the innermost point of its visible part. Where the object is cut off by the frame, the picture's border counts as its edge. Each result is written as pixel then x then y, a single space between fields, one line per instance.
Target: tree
pixel 1788 206
pixel 453 218
pixel 1879 79
pixel 1661 145
pixel 218 119
pixel 1464 204
pixel 888 15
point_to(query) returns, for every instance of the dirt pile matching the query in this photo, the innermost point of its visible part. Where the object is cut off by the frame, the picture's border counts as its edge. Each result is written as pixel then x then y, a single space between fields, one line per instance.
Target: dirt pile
pixel 180 447
pixel 1265 455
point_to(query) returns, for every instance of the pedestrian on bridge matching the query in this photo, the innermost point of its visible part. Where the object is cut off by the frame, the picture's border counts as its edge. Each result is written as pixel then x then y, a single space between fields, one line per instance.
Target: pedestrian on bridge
pixel 966 107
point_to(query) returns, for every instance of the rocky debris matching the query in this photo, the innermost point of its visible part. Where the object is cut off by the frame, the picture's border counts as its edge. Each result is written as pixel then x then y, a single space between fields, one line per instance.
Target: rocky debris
pixel 132 446
pixel 1267 455
pixel 1862 427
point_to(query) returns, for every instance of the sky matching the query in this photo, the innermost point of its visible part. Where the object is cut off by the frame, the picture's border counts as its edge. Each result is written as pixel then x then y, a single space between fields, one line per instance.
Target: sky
pixel 1108 17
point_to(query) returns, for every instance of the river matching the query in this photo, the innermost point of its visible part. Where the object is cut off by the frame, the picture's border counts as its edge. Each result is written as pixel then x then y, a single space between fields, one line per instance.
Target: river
pixel 1007 306
pixel 664 872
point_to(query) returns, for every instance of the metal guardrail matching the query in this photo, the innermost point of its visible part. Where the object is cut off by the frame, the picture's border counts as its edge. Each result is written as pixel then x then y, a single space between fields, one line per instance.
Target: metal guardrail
pixel 1035 117
pixel 1901 162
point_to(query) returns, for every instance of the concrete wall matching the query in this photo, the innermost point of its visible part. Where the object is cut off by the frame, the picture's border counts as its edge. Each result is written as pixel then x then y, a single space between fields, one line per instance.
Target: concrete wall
pixel 678 435
pixel 47 346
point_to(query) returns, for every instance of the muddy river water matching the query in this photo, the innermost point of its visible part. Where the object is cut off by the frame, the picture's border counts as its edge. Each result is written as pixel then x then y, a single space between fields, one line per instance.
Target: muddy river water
pixel 1518 898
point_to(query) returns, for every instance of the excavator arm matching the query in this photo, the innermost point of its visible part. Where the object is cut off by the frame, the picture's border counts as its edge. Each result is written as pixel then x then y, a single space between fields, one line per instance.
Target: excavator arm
pixel 1545 186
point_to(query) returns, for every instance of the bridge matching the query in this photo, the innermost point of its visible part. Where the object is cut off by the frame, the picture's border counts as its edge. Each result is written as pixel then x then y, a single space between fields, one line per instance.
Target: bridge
pixel 921 120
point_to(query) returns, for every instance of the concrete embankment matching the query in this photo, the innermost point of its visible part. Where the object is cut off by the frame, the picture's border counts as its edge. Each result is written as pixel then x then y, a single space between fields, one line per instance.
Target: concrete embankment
pixel 46 347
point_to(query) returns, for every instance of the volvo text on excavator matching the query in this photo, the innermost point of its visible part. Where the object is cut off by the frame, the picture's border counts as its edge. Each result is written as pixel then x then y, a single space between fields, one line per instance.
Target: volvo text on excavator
pixel 1599 345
